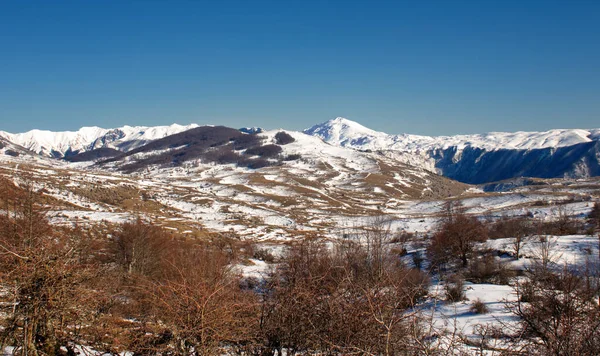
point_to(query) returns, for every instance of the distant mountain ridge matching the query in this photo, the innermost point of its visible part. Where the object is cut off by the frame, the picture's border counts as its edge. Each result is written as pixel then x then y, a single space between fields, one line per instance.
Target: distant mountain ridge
pixel 474 159
pixel 347 133
pixel 478 158
pixel 68 143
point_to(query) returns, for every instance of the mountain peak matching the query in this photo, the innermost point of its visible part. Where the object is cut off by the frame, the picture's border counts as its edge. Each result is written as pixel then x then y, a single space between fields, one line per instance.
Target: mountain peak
pixel 339 119
pixel 341 131
pixel 342 121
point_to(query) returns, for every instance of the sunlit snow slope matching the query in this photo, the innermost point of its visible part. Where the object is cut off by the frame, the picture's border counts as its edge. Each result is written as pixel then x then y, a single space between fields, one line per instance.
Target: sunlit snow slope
pixel 478 158
pixel 474 159
pixel 347 133
pixel 66 143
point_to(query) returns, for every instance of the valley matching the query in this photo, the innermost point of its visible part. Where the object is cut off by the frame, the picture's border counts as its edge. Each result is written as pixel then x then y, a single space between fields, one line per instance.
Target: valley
pixel 324 191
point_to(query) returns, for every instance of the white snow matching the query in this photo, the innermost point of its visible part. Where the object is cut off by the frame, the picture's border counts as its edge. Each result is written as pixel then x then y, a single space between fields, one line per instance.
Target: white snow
pixel 347 133
pixel 46 142
pixel 458 317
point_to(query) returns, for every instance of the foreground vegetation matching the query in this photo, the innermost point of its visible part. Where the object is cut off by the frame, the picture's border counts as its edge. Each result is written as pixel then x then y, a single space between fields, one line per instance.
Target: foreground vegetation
pixel 142 289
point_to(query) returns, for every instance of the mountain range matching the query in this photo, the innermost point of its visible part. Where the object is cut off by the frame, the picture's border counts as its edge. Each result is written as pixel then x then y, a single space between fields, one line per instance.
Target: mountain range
pixel 68 143
pixel 470 159
pixel 480 158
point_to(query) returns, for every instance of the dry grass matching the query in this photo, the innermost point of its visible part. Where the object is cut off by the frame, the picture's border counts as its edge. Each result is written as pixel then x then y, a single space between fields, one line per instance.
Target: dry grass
pixel 292 195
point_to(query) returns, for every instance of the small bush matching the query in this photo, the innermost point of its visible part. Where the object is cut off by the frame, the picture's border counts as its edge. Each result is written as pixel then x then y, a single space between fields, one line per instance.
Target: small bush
pixel 454 289
pixel 417 258
pixel 402 237
pixel 507 227
pixel 479 307
pixel 526 292
pixel 563 224
pixel 283 138
pixel 489 270
pixel 417 283
pixel 263 255
pixel 456 238
pixel 590 230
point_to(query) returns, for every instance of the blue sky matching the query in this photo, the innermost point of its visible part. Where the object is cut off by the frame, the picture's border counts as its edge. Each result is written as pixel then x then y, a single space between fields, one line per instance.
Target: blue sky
pixel 423 67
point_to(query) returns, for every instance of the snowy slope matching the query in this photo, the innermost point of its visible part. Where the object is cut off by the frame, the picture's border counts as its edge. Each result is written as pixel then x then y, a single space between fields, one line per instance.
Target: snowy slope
pixel 471 159
pixel 339 132
pixel 11 153
pixel 347 133
pixel 479 158
pixel 60 144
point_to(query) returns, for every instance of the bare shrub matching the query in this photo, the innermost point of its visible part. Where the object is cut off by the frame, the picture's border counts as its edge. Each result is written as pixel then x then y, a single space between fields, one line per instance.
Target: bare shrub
pixel 228 157
pixel 50 276
pixel 263 254
pixel 339 301
pixel 454 289
pixel 487 269
pixel 563 223
pixel 455 238
pixel 198 303
pixel 256 163
pixel 594 216
pixel 517 228
pixel 545 252
pixel 479 307
pixel 417 258
pixel 507 227
pixel 558 314
pixel 139 247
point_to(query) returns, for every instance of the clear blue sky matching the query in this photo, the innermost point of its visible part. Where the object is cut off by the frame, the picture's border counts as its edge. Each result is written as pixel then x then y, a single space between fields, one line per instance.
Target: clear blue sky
pixel 424 67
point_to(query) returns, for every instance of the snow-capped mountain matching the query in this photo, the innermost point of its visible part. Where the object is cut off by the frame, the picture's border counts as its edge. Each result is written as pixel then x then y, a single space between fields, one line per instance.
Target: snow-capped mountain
pixel 9 149
pixel 273 185
pixel 347 133
pixel 472 159
pixel 66 143
pixel 478 158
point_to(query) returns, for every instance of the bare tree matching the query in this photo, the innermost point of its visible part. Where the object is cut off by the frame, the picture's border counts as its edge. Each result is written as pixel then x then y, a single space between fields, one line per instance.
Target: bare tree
pixel 594 216
pixel 376 239
pixel 515 228
pixel 456 237
pixel 138 247
pixel 545 252
pixel 49 274
pixel 565 223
